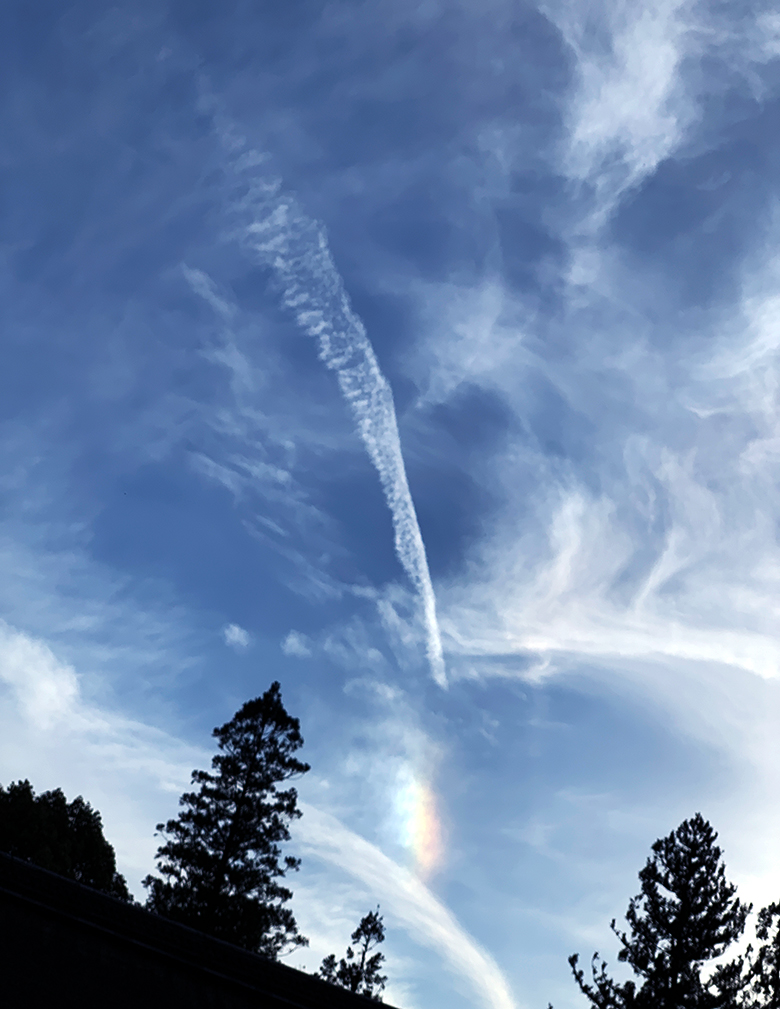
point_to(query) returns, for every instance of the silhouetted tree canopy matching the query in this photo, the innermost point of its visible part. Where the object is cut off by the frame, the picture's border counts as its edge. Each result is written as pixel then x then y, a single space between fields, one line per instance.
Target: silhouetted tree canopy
pixel 221 861
pixel 686 915
pixel 65 837
pixel 763 990
pixel 358 972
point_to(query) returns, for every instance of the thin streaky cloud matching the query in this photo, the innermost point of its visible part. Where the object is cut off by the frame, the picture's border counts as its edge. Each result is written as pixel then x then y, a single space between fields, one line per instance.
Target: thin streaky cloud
pixel 408 900
pixel 203 285
pixel 281 236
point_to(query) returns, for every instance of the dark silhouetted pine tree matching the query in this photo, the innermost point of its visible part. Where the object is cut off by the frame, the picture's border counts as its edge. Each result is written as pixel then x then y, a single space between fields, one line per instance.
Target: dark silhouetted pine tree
pixel 763 991
pixel 686 915
pixel 359 972
pixel 65 837
pixel 221 862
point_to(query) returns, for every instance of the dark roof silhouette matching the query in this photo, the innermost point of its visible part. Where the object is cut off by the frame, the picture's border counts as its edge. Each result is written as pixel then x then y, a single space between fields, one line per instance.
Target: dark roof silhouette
pixel 66 945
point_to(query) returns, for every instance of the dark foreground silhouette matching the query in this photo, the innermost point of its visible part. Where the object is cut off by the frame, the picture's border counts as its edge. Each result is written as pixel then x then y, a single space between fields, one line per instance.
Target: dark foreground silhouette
pixel 65 837
pixel 681 925
pixel 68 945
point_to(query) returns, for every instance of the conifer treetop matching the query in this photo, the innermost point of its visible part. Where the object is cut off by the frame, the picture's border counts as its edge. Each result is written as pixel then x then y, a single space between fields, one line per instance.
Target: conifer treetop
pixel 222 859
pixel 685 915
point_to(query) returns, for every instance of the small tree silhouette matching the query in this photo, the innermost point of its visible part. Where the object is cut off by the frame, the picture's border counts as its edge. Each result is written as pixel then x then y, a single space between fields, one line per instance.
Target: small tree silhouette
pixel 358 972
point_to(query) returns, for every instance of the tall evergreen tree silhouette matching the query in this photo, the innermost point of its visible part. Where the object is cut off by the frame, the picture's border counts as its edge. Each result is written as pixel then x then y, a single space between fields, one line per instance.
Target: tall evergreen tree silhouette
pixel 221 862
pixel 358 971
pixel 763 990
pixel 686 915
pixel 64 837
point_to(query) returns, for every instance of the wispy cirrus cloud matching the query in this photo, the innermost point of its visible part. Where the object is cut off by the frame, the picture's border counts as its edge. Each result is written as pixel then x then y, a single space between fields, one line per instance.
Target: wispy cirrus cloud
pixel 674 556
pixel 408 901
pixel 630 106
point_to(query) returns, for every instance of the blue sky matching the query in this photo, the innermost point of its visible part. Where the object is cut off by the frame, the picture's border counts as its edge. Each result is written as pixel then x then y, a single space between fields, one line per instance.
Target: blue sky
pixel 423 356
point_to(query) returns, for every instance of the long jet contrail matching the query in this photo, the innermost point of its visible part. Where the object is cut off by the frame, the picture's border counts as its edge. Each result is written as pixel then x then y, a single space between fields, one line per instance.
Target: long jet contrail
pixel 296 248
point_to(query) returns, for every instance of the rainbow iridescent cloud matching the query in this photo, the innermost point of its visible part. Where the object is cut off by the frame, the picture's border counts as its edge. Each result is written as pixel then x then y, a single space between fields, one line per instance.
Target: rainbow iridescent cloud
pixel 421 830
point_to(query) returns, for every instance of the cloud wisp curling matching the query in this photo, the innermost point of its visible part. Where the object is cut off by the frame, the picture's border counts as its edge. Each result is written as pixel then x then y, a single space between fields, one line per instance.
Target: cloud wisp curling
pixel 630 106
pixel 407 899
pixel 281 236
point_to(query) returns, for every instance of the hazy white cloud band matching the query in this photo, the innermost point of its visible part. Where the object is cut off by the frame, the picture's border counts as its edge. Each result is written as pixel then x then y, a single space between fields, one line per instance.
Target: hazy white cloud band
pixel 408 900
pixel 296 248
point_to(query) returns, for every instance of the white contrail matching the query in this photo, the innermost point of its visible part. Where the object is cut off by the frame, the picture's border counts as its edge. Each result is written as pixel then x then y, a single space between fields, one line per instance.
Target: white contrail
pixel 296 248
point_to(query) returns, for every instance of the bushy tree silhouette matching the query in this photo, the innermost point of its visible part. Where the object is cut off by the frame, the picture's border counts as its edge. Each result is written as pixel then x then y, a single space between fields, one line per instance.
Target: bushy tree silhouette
pixel 65 837
pixel 686 915
pixel 763 990
pixel 221 862
pixel 358 971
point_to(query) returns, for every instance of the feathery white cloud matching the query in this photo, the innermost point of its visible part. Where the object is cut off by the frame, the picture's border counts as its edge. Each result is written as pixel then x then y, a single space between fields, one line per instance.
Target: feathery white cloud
pixel 662 575
pixel 630 106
